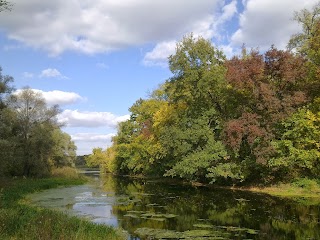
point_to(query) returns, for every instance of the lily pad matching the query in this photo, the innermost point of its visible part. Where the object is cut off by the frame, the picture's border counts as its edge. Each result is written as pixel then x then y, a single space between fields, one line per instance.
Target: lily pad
pixel 131 216
pixel 203 225
pixel 158 233
pixel 158 219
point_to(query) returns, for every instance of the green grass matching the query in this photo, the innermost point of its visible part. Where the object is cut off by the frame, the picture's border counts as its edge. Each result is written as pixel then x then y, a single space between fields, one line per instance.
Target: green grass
pixel 302 188
pixel 21 221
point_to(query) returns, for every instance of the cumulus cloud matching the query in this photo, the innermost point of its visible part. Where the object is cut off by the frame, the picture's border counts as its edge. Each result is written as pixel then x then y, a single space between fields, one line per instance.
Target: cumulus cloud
pixel 207 27
pixel 51 73
pixel 57 97
pixel 267 22
pixel 159 55
pixel 228 12
pixel 75 118
pixel 87 141
pixel 61 97
pixel 100 26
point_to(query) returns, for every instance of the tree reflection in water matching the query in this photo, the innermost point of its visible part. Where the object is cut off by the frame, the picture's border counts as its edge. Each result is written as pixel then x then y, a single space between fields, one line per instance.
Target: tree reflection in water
pixel 165 210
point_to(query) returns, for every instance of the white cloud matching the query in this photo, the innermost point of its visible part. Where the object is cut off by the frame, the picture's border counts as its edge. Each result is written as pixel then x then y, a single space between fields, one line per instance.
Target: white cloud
pixel 27 75
pixel 102 65
pixel 229 51
pixel 208 26
pixel 105 25
pixel 92 137
pixel 51 73
pixel 85 142
pixel 100 26
pixel 61 97
pixel 159 55
pixel 267 22
pixel 58 97
pixel 75 118
pixel 228 11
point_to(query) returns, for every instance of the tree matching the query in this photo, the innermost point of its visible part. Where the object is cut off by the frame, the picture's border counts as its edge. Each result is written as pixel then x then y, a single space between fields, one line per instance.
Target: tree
pixel 64 149
pixel 197 108
pixel 96 158
pixel 135 142
pixel 5 87
pixel 236 120
pixel 297 150
pixel 6 123
pixel 268 89
pixel 5 5
pixel 198 74
pixel 34 126
pixel 307 43
pixel 309 21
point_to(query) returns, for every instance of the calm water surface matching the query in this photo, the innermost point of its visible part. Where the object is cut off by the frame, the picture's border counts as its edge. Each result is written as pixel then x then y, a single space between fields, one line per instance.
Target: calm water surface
pixel 155 210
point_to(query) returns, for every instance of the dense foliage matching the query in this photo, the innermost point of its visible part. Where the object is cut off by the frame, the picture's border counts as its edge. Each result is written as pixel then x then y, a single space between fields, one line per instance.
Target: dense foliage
pixel 31 141
pixel 254 117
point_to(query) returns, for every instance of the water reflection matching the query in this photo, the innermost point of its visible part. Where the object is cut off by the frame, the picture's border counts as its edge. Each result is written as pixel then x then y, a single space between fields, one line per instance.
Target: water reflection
pixel 155 210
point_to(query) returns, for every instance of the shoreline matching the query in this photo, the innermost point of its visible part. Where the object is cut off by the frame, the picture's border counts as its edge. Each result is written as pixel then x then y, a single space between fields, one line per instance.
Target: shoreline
pixel 301 189
pixel 21 220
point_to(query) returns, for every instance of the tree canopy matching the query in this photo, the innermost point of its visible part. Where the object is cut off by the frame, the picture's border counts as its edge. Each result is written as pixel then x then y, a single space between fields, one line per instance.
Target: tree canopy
pixel 254 117
pixel 31 141
pixel 5 5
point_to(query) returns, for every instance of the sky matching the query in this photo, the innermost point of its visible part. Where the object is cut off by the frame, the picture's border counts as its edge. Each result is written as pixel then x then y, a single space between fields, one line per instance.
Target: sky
pixel 95 58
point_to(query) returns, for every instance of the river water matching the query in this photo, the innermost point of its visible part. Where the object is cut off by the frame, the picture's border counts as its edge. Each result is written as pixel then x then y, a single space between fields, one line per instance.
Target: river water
pixel 149 209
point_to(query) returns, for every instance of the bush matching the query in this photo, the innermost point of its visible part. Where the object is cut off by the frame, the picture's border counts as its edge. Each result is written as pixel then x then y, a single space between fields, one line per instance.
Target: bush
pixel 306 183
pixel 65 172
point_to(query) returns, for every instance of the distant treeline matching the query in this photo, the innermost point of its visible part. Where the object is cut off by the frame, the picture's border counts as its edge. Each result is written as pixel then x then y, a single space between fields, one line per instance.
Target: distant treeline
pixel 252 118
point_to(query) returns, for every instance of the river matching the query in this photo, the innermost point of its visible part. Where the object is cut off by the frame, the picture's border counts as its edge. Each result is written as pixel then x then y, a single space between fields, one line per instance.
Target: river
pixel 149 209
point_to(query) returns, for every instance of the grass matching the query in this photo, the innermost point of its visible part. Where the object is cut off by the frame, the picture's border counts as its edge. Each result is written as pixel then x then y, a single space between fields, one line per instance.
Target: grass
pixel 21 221
pixel 302 188
pixel 65 172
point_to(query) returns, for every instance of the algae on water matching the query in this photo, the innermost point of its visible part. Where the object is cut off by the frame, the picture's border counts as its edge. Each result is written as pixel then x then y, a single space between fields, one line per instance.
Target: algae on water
pixel 191 234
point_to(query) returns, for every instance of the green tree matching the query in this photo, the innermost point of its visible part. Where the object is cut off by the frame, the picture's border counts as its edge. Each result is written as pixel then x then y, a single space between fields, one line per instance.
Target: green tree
pixel 64 149
pixel 5 87
pixel 307 43
pixel 303 42
pixel 34 126
pixel 198 75
pixel 96 158
pixel 135 143
pixel 297 150
pixel 197 108
pixel 6 123
pixel 5 5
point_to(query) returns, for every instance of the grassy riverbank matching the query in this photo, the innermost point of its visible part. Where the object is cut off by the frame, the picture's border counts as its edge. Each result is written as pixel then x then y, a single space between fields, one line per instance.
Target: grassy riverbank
pixel 22 221
pixel 303 189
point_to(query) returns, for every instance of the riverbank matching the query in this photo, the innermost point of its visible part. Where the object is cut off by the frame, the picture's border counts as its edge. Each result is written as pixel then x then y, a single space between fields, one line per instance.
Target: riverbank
pixel 19 220
pixel 302 190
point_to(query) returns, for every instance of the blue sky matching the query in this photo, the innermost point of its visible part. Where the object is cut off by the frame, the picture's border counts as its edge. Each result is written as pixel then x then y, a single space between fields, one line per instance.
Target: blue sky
pixel 95 58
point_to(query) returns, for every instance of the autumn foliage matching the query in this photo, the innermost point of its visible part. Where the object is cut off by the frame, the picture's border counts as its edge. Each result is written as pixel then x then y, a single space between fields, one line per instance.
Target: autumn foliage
pixel 252 118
